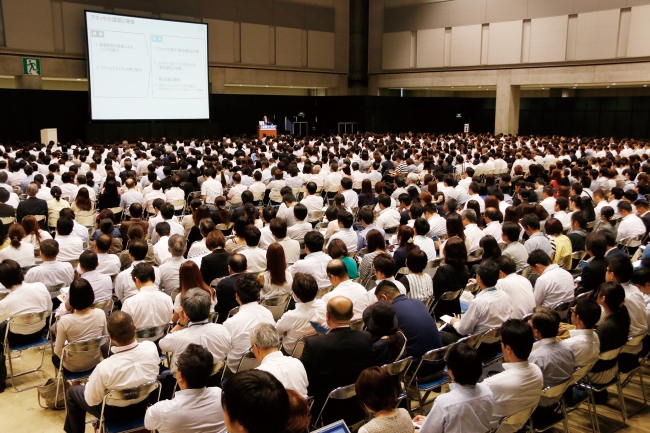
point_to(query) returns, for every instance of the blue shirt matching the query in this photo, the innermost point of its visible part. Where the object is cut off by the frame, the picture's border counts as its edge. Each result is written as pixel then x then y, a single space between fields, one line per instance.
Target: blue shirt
pixel 361 236
pixel 418 326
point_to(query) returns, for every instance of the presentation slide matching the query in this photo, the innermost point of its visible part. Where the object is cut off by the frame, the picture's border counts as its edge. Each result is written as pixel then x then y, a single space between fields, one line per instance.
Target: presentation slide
pixel 143 69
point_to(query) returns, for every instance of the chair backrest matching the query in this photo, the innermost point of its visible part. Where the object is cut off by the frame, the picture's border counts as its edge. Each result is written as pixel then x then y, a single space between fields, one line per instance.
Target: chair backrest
pixel 342 393
pixel 323 291
pixel 135 393
pixel 232 312
pixel 562 308
pixel 635 340
pixel 473 340
pixel 247 362
pixel 39 217
pixel 151 333
pixel 580 373
pixel 556 390
pixel 87 345
pixel 55 290
pixel 277 305
pixel 106 305
pixel 516 419
pixel 213 317
pixel 371 282
pixel 29 318
pixel 357 325
pixel 610 354
pixel 214 282
pixel 475 254
pixel 217 367
pixel 492 335
pixel 300 345
pixel 7 220
pixel 398 368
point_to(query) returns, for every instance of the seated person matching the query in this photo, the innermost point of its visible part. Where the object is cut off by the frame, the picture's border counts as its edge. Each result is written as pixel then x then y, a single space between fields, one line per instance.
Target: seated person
pixel 388 342
pixel 301 227
pixel 101 283
pixel 110 375
pixel 124 285
pixel 109 264
pixel 377 394
pixel 70 246
pixel 149 307
pixel 519 385
pixel 50 272
pixel 554 284
pixel 296 323
pixel 468 405
pixel 265 345
pixel 247 293
pixel 344 286
pixel 583 340
pixel 187 411
pixel 418 284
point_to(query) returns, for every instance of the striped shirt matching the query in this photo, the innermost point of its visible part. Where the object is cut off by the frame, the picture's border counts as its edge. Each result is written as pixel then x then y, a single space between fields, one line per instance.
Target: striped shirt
pixel 420 286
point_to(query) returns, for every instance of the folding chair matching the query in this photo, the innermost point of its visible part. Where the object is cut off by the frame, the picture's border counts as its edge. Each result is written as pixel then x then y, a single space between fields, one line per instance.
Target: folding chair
pixel 357 325
pixel 247 362
pixel 492 336
pixel 347 392
pixel 550 420
pixel 7 220
pixel 106 305
pixel 77 347
pixel 447 296
pixel 398 370
pixel 213 317
pixel 24 320
pixel 152 333
pixel 475 255
pixel 576 396
pixel 277 305
pixel 300 345
pixel 435 355
pixel 515 421
pixel 473 340
pixel 232 312
pixel 323 291
pixel 626 374
pixel 562 309
pixel 55 290
pixel 86 218
pixel 139 392
pixel 179 206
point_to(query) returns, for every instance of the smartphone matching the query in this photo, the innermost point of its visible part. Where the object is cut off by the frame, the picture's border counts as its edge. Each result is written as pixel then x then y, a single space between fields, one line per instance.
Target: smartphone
pixel 436 238
pixel 320 329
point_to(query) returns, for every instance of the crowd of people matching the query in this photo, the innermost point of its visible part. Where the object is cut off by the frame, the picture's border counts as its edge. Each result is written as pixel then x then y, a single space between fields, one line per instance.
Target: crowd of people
pixel 271 272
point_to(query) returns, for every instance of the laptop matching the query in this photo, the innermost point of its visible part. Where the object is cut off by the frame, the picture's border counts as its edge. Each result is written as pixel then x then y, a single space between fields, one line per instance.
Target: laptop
pixel 336 427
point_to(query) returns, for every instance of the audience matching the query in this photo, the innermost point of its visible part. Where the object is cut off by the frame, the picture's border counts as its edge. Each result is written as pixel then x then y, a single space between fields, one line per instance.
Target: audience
pixel 376 395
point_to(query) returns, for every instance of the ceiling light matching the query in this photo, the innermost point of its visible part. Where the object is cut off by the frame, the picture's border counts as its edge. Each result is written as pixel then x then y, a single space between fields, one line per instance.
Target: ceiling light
pixel 479 87
pixel 645 85
pixel 575 85
pixel 78 79
pixel 613 84
pixel 608 87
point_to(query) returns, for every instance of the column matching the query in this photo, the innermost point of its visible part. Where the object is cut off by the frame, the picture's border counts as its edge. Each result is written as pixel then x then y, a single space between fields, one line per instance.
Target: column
pixel 506 119
pixel 32 82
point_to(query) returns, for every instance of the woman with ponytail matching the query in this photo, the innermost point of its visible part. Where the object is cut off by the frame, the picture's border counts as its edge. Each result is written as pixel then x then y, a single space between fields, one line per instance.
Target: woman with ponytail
pixel 18 250
pixel 56 204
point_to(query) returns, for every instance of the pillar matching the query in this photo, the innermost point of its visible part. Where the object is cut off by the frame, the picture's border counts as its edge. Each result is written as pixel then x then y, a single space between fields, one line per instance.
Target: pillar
pixel 506 119
pixel 358 45
pixel 32 82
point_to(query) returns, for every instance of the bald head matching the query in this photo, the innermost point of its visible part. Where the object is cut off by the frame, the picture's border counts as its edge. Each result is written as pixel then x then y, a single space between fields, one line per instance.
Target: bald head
pixel 130 183
pixel 339 309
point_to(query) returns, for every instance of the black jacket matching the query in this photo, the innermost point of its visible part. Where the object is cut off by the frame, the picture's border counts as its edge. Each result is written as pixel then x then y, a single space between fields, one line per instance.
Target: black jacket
pixel 593 275
pixel 335 360
pixel 32 206
pixel 215 265
pixel 226 300
pixel 5 212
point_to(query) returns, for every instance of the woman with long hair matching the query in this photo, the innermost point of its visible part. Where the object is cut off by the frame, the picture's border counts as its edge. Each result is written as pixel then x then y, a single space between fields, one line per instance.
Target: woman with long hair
pixel 238 242
pixel 388 340
pixel 189 277
pixel 367 196
pixel 376 245
pixel 276 280
pixel 377 394
pixel 195 232
pixel 82 201
pixel 221 215
pixel 192 183
pixel 336 249
pixel 19 250
pixel 451 276
pixel 215 264
pixel 331 214
pixel 110 198
pixel 455 228
pixel 33 233
pixel 57 203
pixel 405 235
pixel 473 204
pixel 252 215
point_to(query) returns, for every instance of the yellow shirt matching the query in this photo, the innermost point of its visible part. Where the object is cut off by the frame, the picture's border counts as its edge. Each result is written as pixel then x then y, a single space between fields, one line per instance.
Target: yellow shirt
pixel 563 248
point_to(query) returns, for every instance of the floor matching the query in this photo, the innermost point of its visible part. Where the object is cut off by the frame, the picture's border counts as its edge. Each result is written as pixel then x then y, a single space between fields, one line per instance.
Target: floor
pixel 20 412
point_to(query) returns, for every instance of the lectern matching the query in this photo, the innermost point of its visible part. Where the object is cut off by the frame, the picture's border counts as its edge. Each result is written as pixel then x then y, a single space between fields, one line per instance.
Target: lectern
pixel 268 130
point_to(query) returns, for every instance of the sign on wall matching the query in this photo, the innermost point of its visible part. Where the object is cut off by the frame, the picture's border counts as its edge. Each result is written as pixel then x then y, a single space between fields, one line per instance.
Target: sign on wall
pixel 466 127
pixel 31 66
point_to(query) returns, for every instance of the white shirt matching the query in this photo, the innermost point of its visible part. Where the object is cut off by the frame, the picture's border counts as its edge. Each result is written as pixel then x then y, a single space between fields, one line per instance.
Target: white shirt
pixel 236 191
pixel 150 307
pixel 564 218
pixel 211 336
pixel 288 370
pixel 129 366
pixel 479 200
pixel 124 285
pixel 267 237
pixel 70 247
pixel 314 264
pixel 493 229
pixel 174 229
pixel 549 204
pixel 101 283
pixel 636 307
pixel 388 218
pixel 25 299
pixel 630 226
pixel 489 309
pixel 197 248
pixel 161 250
pixel 175 193
pixel 474 236
pixel 515 389
pixel 255 258
pixel 295 323
pixel 584 344
pixel 553 286
pixel 187 412
pixel 464 408
pixel 291 250
pixel 24 255
pixel 51 274
pixel 520 292
pixel 349 238
pixel 211 189
pixel 299 230
pixel 286 213
pixel 426 245
pixel 355 292
pixel 239 326
pixel 109 264
pixel 437 226
pixel 351 198
pixel 313 203
pixel 169 274
pixel 153 195
pixel 130 197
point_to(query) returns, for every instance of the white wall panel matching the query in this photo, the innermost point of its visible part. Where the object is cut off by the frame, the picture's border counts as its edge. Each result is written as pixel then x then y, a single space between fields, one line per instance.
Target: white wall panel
pixel 288 47
pixel 466 45
pixel 254 44
pixel 396 51
pixel 548 39
pixel 320 50
pixel 638 43
pixel 431 48
pixel 505 43
pixel 597 35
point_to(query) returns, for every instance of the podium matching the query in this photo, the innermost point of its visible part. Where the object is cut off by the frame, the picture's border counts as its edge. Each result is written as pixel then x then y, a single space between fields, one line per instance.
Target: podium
pixel 268 130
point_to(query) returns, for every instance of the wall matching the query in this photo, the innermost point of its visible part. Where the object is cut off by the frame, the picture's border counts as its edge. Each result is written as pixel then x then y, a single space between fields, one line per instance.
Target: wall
pixel 292 36
pixel 505 32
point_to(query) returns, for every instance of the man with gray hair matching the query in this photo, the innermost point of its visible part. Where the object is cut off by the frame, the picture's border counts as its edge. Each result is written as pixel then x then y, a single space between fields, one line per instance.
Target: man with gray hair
pixel 193 327
pixel 170 269
pixel 206 225
pixel 265 345
pixel 472 232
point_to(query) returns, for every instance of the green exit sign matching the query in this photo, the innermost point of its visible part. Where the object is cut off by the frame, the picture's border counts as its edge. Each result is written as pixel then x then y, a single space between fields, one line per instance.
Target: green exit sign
pixel 31 66
pixel 301 114
pixel 459 115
